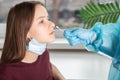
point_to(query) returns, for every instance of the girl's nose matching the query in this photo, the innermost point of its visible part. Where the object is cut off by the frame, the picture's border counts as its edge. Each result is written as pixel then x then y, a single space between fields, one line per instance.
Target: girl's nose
pixel 52 24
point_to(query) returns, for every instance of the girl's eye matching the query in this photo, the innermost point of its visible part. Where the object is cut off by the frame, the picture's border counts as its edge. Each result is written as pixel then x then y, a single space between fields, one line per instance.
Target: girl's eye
pixel 41 21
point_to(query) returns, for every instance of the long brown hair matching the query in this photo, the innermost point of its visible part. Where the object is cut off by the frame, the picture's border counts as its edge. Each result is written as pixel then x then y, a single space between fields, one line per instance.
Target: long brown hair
pixel 19 21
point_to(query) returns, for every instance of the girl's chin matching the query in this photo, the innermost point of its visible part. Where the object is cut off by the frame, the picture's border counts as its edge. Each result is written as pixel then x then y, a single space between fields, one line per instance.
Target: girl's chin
pixel 51 40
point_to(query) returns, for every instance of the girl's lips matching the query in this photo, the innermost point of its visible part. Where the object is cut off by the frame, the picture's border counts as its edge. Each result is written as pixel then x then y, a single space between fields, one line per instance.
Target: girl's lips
pixel 51 32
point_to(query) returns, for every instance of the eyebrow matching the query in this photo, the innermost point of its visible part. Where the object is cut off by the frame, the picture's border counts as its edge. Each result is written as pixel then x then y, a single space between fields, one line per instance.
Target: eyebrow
pixel 41 17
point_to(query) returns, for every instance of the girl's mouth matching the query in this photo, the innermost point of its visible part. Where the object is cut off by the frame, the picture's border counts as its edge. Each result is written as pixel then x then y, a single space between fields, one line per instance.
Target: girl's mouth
pixel 51 33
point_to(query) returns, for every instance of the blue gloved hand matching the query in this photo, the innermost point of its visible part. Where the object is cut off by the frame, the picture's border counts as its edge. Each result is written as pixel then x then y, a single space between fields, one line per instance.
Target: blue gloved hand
pixel 79 36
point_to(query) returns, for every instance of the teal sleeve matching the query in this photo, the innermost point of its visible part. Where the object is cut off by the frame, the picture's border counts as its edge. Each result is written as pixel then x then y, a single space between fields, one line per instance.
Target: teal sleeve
pixel 107 38
pixel 114 74
pixel 108 42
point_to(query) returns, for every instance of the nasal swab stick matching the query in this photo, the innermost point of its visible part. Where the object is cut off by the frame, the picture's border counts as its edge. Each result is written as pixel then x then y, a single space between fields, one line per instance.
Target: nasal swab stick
pixel 59 28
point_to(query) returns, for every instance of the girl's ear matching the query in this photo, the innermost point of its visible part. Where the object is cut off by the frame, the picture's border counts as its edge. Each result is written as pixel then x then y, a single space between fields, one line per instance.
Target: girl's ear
pixel 28 36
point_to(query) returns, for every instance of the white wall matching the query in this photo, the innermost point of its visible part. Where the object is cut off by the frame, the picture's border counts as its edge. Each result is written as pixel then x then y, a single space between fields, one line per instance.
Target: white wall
pixel 78 65
pixel 2 30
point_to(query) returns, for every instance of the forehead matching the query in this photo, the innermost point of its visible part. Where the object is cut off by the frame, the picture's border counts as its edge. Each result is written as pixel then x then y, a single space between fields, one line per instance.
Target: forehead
pixel 40 11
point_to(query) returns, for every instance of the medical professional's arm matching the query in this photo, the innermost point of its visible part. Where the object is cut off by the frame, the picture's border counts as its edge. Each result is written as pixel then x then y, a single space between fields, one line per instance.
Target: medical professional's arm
pixel 56 73
pixel 100 38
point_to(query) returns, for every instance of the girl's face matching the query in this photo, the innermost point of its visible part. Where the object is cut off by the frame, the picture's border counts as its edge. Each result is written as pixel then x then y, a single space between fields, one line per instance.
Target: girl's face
pixel 42 29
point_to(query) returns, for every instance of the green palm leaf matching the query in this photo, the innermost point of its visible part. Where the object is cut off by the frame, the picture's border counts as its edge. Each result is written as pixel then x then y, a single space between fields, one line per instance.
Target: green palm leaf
pixel 104 13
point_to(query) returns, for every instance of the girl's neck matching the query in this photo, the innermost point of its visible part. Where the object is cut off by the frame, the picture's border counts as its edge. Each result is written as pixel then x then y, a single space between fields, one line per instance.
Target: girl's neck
pixel 30 57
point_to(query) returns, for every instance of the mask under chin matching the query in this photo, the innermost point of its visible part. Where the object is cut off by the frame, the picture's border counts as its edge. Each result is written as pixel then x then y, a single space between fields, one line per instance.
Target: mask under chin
pixel 36 47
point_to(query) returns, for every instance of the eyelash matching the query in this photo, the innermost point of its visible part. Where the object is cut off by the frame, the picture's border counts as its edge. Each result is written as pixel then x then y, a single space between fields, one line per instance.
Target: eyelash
pixel 42 21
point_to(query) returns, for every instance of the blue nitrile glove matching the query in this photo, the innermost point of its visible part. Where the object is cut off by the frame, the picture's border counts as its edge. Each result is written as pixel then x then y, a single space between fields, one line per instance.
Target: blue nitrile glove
pixel 79 36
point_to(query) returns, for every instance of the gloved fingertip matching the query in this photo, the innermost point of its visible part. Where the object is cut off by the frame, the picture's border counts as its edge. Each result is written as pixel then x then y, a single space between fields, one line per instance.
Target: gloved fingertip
pixel 65 33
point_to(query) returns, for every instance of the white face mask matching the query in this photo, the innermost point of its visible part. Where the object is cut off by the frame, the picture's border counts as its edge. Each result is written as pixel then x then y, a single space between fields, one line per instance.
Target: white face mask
pixel 36 47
